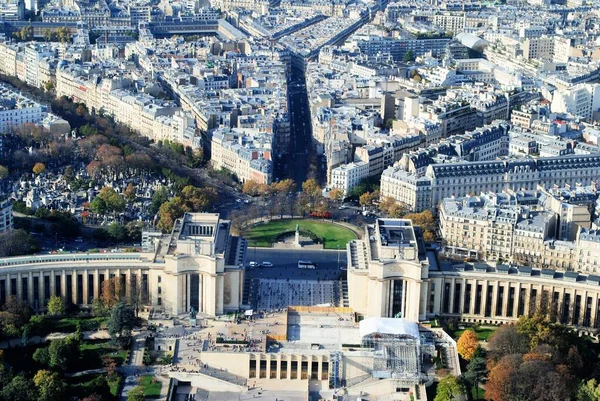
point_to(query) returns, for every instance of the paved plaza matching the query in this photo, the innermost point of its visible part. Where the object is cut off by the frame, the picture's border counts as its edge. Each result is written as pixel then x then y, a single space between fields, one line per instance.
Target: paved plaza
pixel 272 294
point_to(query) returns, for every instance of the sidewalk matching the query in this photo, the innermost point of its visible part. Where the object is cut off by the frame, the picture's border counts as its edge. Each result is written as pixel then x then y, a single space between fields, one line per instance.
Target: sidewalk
pixel 87 335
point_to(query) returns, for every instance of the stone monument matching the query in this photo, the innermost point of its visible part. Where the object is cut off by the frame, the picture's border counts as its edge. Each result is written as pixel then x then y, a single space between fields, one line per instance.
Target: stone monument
pixel 297 237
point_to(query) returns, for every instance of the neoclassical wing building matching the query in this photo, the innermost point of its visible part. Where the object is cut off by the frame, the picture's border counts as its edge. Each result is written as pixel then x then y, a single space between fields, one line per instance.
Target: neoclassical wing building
pixel 200 265
pixel 390 274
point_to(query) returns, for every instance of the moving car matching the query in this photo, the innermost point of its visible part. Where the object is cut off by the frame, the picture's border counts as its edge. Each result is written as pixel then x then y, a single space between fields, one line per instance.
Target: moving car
pixel 253 264
pixel 266 264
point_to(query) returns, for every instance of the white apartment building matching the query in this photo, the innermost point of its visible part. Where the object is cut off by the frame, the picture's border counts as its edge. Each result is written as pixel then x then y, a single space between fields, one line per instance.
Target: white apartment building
pixel 17 110
pixel 247 153
pixel 580 100
pixel 347 176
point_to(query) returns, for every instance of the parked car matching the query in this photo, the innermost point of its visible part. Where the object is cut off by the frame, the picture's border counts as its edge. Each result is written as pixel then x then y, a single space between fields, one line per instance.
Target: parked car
pixel 266 264
pixel 253 264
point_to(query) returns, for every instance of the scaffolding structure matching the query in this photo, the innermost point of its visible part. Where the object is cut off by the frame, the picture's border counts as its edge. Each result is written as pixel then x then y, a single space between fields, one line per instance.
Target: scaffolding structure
pixel 394 356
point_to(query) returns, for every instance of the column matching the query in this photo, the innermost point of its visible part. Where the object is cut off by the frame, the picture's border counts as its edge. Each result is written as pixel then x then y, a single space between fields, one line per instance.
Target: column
pixel 220 287
pixel 527 299
pixel 52 283
pixel 594 309
pixel 517 300
pixel 85 282
pixel 63 284
pixel 187 292
pixel 7 285
pixel 289 366
pixel 97 283
pixel 494 298
pixel 279 366
pixel 41 294
pixel 30 288
pixel 473 297
pixel 451 303
pixel 19 286
pixel 505 299
pixel 320 362
pixel 484 297
pixel 582 307
pixel 200 293
pixel 74 290
pixel 463 294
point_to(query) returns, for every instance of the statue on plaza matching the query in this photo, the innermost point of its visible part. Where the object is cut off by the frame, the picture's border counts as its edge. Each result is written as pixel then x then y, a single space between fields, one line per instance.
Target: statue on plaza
pixel 193 313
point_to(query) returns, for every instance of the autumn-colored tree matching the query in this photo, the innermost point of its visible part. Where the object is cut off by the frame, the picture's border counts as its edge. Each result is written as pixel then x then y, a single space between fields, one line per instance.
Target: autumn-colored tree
pixel 39 168
pixel 366 199
pixel 311 187
pixel 3 172
pixel 284 186
pixel 112 292
pixel 336 194
pixel 467 344
pixel 498 386
pixel 251 188
pixel 130 193
pixel 425 220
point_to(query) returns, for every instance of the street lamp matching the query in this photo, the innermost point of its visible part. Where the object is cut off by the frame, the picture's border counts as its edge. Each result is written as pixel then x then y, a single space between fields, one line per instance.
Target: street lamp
pixel 338 255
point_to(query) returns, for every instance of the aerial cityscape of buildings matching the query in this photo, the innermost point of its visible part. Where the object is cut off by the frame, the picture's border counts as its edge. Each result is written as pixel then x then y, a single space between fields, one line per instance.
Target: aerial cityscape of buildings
pixel 454 145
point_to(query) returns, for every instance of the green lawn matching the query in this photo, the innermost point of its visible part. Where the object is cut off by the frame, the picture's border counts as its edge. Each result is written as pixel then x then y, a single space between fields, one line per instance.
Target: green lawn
pixel 151 387
pixel 474 394
pixel 69 324
pixel 82 386
pixel 483 333
pixel 332 234
pixel 92 353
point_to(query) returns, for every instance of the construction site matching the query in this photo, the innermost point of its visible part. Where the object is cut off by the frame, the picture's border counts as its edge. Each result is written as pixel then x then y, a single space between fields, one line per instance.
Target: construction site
pixel 309 353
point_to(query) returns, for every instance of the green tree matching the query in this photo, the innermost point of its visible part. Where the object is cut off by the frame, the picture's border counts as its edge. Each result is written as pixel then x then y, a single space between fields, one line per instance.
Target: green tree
pixel 63 352
pixel 56 305
pixel 117 231
pixel 409 56
pixel 48 35
pixel 137 394
pixel 113 202
pixel 19 389
pixel 448 388
pixel 476 370
pixel 3 172
pixel 48 86
pixel 64 34
pixel 588 391
pixel 160 196
pixel 120 323
pixel 98 308
pixel 49 386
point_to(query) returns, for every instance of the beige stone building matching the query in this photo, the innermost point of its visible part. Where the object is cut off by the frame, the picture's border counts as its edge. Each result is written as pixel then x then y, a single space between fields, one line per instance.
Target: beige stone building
pixel 200 265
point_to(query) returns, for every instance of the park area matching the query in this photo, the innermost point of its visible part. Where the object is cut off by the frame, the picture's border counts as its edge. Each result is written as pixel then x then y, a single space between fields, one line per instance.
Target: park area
pixel 331 235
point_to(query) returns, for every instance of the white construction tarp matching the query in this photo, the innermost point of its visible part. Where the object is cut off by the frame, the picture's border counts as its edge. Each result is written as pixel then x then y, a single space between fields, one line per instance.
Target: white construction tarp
pixel 387 325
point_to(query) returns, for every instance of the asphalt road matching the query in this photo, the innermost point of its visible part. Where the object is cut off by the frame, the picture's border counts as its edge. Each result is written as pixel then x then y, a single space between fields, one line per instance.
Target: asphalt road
pixel 301 130
pixel 285 263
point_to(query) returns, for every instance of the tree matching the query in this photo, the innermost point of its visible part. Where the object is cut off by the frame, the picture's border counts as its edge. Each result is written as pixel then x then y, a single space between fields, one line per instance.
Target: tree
pixel 48 86
pixel 120 323
pixel 56 305
pixel 286 186
pixel 409 56
pixel 64 34
pixel 160 196
pixel 251 188
pixel 476 370
pixel 467 344
pixel 49 386
pixel 111 292
pixel 129 192
pixel 3 172
pixel 19 389
pixel 311 188
pixel 507 341
pixel 448 388
pixel 425 220
pixel 588 391
pixel 63 352
pixel 137 394
pixel 114 202
pixel 39 168
pixel 366 198
pixel 19 310
pixel 116 231
pixel 98 308
pixel 336 194
pixel 48 35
